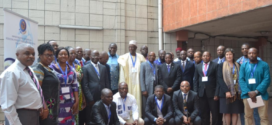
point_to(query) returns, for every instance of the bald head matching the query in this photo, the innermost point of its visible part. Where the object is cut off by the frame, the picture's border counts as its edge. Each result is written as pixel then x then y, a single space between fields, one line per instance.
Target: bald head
pixel 105 91
pixel 106 96
pixel 104 57
pixel 185 86
pixel 95 56
pixel 197 57
pixel 25 53
pixel 122 84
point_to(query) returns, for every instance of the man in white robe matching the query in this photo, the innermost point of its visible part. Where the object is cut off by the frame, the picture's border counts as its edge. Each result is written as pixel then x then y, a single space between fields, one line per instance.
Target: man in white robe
pixel 130 64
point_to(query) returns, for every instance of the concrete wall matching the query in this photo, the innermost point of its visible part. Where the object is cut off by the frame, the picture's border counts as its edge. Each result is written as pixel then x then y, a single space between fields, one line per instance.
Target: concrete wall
pixel 121 20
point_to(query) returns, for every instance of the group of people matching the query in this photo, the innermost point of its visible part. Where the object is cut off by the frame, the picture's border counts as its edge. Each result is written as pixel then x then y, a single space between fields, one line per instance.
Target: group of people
pixel 73 86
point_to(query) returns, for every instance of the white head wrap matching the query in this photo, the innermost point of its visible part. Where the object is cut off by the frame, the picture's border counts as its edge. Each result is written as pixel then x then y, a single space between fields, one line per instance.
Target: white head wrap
pixel 133 42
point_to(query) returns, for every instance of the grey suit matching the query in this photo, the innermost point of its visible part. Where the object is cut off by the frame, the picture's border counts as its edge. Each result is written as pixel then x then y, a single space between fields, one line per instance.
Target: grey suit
pixel 148 80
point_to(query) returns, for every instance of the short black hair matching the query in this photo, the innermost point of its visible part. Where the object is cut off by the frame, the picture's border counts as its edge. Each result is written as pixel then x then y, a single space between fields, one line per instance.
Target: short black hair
pixel 59 49
pixel 169 54
pixel 159 86
pixel 43 47
pixel 247 44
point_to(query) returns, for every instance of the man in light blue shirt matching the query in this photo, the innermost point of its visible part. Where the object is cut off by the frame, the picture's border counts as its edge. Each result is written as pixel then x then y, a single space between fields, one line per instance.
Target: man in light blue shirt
pixel 114 67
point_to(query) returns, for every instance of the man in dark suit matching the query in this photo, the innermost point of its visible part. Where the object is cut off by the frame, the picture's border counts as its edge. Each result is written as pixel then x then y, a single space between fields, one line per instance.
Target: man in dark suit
pixel 104 57
pixel 205 84
pixel 185 103
pixel 104 111
pixel 94 80
pixel 159 108
pixel 221 54
pixel 187 68
pixel 169 75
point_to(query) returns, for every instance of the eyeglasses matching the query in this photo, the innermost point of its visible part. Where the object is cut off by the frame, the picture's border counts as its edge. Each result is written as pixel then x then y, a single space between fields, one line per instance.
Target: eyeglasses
pixel 49 55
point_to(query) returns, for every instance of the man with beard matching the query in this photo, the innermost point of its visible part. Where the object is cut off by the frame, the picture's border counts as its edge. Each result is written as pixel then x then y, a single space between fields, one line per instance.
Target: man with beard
pixel 114 67
pixel 190 55
pixel 221 55
pixel 79 57
pixel 21 95
pixel 130 72
pixel 144 51
pixel 87 56
pixel 93 81
pixel 160 60
pixel 254 79
pixel 148 78
pixel 127 108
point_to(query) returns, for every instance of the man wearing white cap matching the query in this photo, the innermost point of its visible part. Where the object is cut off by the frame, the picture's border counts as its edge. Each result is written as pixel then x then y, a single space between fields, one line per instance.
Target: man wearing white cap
pixel 130 72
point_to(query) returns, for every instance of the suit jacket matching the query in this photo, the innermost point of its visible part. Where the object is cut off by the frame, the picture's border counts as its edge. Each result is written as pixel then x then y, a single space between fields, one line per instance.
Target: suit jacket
pixel 210 87
pixel 191 104
pixel 171 79
pixel 151 108
pixel 146 78
pixel 188 73
pixel 91 84
pixel 216 60
pixel 99 115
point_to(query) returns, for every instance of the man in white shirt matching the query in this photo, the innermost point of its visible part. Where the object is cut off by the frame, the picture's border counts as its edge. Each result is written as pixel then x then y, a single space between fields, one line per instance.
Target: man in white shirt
pixel 21 96
pixel 127 109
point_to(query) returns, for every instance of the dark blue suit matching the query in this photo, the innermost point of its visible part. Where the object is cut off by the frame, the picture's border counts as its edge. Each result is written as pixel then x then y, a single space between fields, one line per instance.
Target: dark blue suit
pixel 188 72
pixel 216 60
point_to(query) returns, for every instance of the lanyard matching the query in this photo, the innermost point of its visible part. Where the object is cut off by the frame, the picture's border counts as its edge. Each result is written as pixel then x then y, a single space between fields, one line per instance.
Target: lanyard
pixel 159 60
pixel 252 71
pixel 64 73
pixel 152 68
pixel 158 103
pixel 182 66
pixel 124 105
pixel 205 71
pixel 233 68
pixel 109 114
pixel 96 71
pixel 69 64
pixel 133 62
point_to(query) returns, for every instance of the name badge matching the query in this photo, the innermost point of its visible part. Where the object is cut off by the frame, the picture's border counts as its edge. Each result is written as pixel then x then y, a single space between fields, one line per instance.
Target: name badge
pixel 252 81
pixel 205 79
pixel 129 108
pixel 119 106
pixel 234 81
pixel 153 78
pixel 67 96
pixel 65 90
pixel 134 70
pixel 120 112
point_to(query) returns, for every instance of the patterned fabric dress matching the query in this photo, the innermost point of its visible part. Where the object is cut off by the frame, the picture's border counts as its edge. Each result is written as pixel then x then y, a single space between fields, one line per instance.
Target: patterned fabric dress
pixel 51 87
pixel 67 100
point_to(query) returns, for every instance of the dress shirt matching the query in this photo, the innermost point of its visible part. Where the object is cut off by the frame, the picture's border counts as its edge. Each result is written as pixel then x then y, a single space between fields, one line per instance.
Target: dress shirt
pixel 181 61
pixel 130 107
pixel 158 61
pixel 96 66
pixel 243 59
pixel 108 112
pixel 17 91
pixel 176 59
pixel 114 71
pixel 187 94
pixel 168 65
pixel 158 110
pixel 189 59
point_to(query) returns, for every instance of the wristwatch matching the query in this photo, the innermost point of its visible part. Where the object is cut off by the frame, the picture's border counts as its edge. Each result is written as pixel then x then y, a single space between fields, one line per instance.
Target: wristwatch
pixel 256 91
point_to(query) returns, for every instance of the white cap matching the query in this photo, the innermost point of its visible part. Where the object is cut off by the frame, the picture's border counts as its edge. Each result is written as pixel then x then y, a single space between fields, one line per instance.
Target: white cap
pixel 133 42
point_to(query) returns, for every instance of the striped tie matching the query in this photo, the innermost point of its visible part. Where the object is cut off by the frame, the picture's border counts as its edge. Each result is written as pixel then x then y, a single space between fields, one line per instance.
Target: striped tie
pixel 37 84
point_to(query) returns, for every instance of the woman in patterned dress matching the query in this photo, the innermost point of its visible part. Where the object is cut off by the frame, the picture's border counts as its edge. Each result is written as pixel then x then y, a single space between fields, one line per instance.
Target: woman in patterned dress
pixel 77 69
pixel 68 88
pixel 50 84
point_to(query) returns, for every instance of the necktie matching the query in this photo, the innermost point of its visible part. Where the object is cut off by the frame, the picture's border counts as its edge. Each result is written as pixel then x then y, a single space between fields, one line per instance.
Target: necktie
pixel 184 103
pixel 183 66
pixel 184 98
pixel 97 69
pixel 206 66
pixel 109 115
pixel 81 63
pixel 168 67
pixel 37 84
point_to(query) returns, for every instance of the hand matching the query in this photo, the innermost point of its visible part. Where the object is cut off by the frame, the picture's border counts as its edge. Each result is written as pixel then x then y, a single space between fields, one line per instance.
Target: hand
pixel 75 108
pixel 228 95
pixel 252 94
pixel 145 93
pixel 189 120
pixel 160 121
pixel 169 90
pixel 254 99
pixel 215 98
pixel 135 122
pixel 45 113
pixel 83 103
pixel 41 111
pixel 185 120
